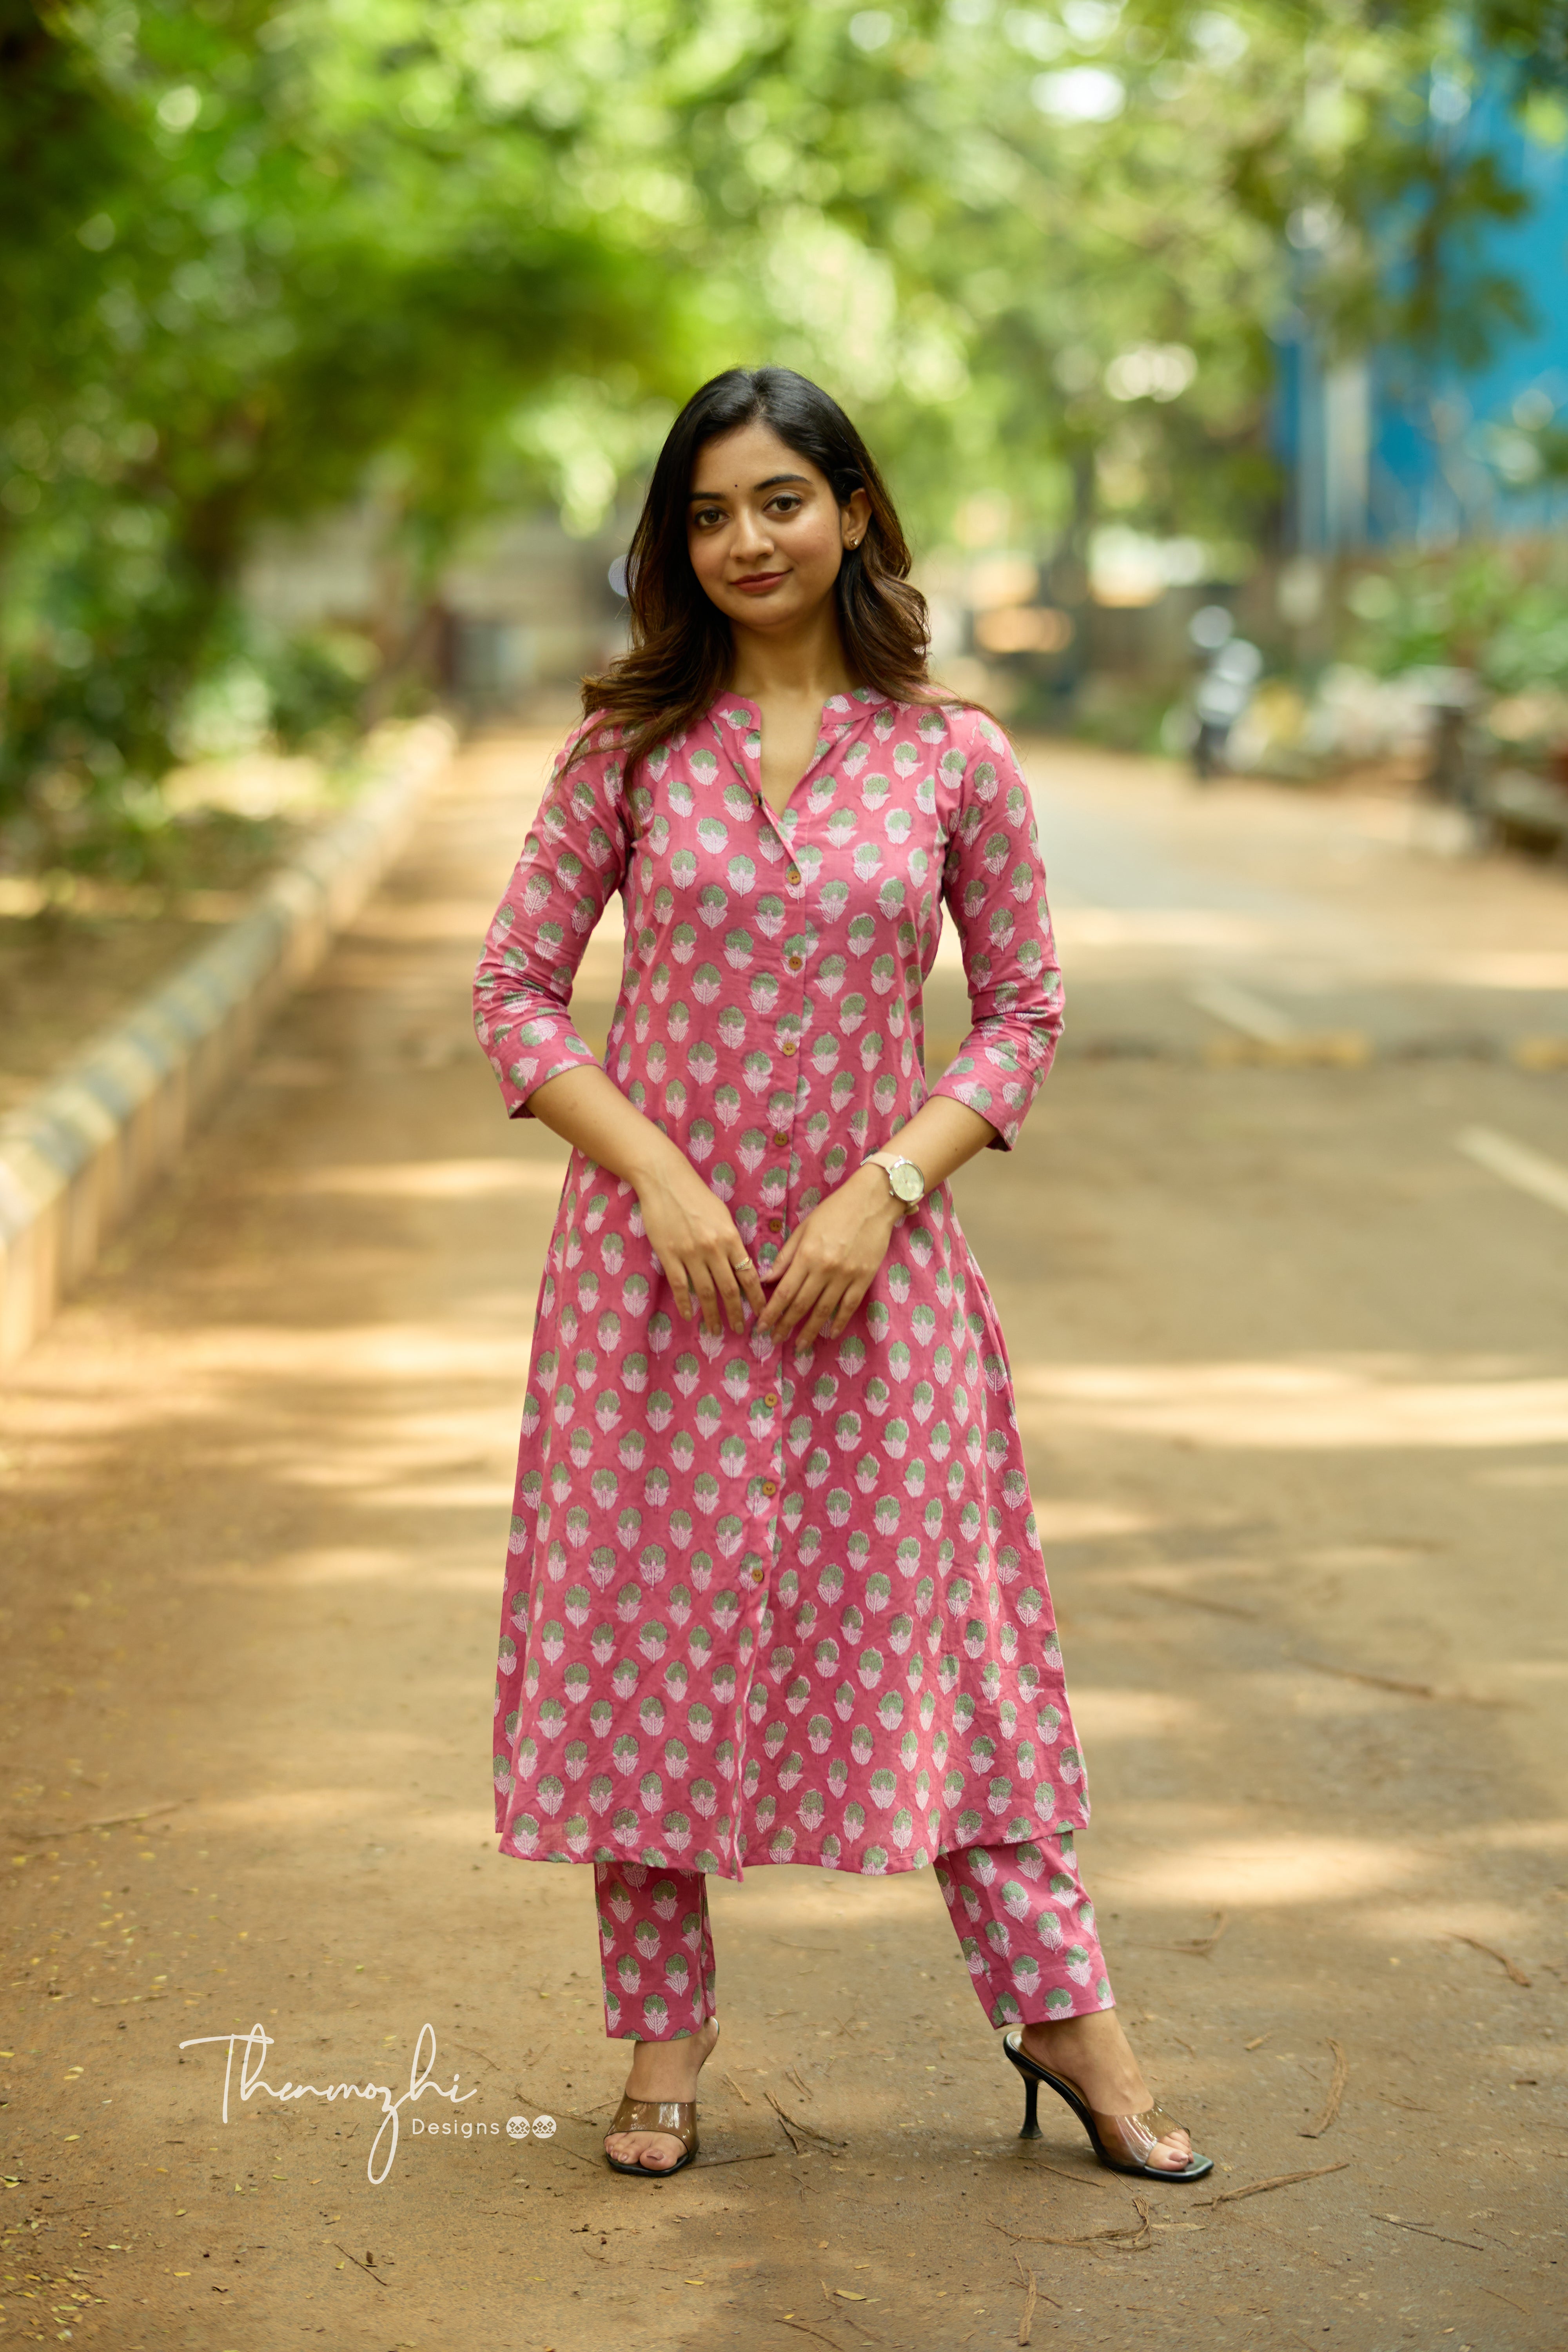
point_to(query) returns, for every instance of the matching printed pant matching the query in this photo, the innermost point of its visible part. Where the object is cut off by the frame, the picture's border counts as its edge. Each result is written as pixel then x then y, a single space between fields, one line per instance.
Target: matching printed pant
pixel 1024 1923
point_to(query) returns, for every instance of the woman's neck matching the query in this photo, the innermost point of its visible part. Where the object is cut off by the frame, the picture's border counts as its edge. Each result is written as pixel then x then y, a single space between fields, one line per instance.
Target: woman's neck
pixel 806 665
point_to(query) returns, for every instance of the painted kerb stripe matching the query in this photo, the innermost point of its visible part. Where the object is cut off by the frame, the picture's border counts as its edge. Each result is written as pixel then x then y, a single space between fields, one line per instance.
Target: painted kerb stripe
pixel 77 1157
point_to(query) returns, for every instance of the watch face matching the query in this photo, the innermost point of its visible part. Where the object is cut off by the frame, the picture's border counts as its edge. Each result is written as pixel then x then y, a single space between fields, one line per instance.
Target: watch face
pixel 907 1181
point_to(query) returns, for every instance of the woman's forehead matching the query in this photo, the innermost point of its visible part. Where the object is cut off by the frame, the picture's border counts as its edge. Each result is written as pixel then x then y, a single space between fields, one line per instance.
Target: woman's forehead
pixel 750 458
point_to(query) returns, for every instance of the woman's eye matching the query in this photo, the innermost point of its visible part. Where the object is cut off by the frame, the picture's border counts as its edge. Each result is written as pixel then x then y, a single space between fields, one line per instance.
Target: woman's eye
pixel 787 504
pixel 706 517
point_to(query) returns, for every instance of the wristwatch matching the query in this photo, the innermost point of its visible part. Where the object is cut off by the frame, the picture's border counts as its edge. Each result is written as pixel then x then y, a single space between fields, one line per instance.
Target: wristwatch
pixel 905 1181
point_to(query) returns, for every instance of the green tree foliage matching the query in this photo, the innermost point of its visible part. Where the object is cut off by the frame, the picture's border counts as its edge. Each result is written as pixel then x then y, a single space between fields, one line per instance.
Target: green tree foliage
pixel 262 256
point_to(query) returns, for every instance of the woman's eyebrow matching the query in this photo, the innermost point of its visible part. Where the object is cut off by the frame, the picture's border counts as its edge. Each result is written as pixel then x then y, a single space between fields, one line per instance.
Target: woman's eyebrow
pixel 771 483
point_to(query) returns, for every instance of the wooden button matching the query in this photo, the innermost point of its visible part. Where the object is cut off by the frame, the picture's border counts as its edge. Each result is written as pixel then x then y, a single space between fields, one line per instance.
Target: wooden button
pixel 794 962
pixel 771 1401
pixel 793 874
pixel 788 1046
pixel 769 1485
pixel 780 1140
pixel 775 1225
pixel 758 1574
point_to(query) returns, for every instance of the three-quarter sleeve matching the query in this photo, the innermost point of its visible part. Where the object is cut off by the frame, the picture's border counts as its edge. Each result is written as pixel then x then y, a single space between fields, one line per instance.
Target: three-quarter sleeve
pixel 993 884
pixel 574 861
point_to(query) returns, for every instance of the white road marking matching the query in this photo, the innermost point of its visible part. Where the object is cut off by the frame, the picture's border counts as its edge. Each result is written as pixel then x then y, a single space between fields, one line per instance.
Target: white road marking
pixel 1528 1171
pixel 1239 1009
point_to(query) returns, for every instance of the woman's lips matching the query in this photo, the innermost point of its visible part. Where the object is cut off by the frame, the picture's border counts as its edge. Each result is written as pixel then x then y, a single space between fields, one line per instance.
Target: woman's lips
pixel 757 583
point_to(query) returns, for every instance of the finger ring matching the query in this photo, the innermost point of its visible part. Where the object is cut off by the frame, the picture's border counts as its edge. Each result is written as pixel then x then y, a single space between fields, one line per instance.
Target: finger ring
pixel 740 1265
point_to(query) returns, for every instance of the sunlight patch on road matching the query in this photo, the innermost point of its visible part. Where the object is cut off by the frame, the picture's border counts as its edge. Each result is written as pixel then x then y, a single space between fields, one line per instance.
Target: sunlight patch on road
pixel 1440 1916
pixel 301 1571
pixel 1063 1522
pixel 1254 1870
pixel 448 1495
pixel 293 1351
pixel 1550 1836
pixel 425 1179
pixel 1159 927
pixel 1302 1405
pixel 1104 1714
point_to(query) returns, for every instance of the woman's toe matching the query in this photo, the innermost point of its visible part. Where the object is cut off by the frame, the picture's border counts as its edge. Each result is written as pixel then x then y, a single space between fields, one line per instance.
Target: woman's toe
pixel 656 2152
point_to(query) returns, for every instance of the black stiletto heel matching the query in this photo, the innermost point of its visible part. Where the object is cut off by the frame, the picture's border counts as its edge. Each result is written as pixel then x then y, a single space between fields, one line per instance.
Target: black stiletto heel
pixel 1132 2137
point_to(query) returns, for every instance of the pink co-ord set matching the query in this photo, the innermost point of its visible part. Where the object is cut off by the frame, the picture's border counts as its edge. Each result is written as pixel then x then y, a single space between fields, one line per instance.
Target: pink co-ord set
pixel 762 1603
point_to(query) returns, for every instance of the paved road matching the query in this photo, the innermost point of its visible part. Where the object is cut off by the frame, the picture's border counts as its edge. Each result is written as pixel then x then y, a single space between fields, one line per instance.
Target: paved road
pixel 1293 1372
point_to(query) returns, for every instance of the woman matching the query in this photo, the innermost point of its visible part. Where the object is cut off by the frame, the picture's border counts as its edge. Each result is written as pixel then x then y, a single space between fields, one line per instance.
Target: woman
pixel 775 1591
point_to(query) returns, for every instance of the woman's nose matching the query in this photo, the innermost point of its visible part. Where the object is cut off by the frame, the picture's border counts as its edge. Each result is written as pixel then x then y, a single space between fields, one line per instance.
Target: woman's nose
pixel 751 535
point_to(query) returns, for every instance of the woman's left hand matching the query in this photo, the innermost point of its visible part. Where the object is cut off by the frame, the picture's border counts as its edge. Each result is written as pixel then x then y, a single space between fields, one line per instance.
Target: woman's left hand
pixel 830 1261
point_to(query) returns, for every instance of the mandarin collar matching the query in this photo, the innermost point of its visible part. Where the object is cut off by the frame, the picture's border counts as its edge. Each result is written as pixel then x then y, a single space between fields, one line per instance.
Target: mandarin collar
pixel 739 722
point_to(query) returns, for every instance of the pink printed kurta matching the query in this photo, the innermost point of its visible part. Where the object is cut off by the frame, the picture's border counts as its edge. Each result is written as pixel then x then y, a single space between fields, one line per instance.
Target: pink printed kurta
pixel 764 1604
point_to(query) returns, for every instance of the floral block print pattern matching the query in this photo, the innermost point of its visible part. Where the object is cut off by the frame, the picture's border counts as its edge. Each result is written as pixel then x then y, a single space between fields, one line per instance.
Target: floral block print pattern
pixel 760 1600
pixel 656 1951
pixel 1024 1925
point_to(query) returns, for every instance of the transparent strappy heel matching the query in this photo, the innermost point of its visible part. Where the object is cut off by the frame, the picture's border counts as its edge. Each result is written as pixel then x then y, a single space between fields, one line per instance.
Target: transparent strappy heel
pixel 677 2117
pixel 1121 2142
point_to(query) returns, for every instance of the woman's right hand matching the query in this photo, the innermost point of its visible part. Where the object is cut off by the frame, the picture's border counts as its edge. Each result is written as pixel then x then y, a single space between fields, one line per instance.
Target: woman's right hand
pixel 691 1232
pixel 694 1237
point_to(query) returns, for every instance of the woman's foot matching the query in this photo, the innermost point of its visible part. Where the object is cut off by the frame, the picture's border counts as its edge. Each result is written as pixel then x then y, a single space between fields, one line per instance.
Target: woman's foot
pixel 1095 2056
pixel 663 2071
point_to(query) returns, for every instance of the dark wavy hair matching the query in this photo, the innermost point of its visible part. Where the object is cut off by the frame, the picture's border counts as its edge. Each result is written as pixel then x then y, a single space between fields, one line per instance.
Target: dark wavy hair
pixel 681 651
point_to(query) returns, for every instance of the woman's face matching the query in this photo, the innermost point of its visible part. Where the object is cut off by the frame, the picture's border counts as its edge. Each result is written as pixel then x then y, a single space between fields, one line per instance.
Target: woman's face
pixel 766 534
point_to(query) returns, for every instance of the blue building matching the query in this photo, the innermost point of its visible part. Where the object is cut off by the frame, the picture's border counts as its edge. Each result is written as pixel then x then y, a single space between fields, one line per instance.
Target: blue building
pixel 1386 449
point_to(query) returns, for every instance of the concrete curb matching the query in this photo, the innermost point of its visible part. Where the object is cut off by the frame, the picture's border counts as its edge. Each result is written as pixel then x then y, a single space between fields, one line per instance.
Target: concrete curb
pixel 77 1158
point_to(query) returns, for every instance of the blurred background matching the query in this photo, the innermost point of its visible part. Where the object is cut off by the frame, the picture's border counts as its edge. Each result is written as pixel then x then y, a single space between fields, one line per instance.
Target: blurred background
pixel 1218 359
pixel 1216 354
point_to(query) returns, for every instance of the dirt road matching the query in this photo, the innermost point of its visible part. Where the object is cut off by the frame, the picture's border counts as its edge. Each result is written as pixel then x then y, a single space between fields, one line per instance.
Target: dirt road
pixel 1292 1362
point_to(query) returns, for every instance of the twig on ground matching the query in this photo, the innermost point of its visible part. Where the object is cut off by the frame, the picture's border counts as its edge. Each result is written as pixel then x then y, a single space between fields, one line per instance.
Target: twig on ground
pixel 1039 2290
pixel 747 2155
pixel 793 2074
pixel 1199 1946
pixel 468 2052
pixel 780 2320
pixel 1515 1973
pixel 793 2123
pixel 1373 1682
pixel 1424 2229
pixel 1280 2180
pixel 1508 2299
pixel 1082 2179
pixel 1031 2289
pixel 1257 2040
pixel 368 2269
pixel 1193 1600
pixel 107 1820
pixel 1336 2093
pixel 1130 2237
pixel 736 2088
